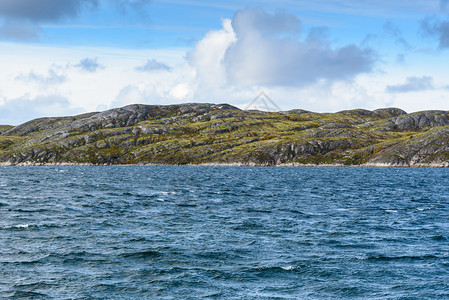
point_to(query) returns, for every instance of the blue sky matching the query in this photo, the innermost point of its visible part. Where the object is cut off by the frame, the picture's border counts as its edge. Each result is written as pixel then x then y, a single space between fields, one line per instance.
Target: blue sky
pixel 68 57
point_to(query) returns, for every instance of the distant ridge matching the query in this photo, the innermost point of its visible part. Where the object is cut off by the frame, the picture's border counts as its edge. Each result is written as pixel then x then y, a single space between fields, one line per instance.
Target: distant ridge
pixel 221 134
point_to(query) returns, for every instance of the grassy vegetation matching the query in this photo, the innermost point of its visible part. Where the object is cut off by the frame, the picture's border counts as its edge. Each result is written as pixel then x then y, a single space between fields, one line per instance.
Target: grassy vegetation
pixel 4 128
pixel 174 135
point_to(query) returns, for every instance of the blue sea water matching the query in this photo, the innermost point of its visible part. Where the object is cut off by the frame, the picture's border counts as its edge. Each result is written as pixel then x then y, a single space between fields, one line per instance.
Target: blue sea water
pixel 223 233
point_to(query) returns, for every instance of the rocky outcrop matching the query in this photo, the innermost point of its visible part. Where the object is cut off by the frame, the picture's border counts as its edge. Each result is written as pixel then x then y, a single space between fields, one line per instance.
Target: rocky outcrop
pixel 114 118
pixel 359 112
pixel 297 111
pixel 5 128
pixel 199 133
pixel 133 114
pixel 420 120
pixel 431 147
pixel 43 124
pixel 389 112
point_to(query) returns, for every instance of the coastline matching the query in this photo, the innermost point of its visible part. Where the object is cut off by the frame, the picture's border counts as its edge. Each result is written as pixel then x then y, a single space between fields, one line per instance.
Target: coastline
pixel 224 136
pixel 299 165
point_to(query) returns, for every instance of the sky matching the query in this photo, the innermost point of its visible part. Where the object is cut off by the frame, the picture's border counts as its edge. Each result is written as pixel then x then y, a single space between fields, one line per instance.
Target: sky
pixel 68 57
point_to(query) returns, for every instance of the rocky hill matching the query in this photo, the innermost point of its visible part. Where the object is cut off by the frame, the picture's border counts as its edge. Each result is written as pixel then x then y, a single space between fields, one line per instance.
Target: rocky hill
pixel 223 134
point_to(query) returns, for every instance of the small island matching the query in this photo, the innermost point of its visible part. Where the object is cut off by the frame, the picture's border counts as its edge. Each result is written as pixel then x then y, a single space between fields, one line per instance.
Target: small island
pixel 211 134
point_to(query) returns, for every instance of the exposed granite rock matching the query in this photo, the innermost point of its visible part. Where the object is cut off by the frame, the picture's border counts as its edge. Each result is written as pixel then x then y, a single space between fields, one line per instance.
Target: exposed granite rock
pixel 420 120
pixel 42 124
pixel 133 114
pixel 359 112
pixel 198 133
pixel 297 111
pixel 334 126
pixel 5 128
pixel 389 112
pixel 427 148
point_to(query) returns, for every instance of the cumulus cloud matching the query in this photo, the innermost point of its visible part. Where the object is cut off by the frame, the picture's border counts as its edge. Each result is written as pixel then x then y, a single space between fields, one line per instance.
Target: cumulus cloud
pixel 55 75
pixel 437 28
pixel 90 65
pixel 281 58
pixel 153 65
pixel 23 109
pixel 255 21
pixel 412 84
pixel 262 49
pixel 208 55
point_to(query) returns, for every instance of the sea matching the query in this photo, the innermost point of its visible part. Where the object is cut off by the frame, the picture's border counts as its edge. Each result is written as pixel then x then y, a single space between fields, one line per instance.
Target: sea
pixel 122 232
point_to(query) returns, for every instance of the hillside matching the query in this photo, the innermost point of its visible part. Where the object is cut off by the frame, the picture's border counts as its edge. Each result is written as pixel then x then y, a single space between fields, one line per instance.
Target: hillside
pixel 223 134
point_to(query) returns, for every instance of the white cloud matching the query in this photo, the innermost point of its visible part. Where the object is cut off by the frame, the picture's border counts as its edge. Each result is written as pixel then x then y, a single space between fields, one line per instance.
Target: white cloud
pixel 253 52
pixel 54 75
pixel 27 73
pixel 159 88
pixel 412 84
pixel 269 52
pixel 153 65
pixel 208 55
pixel 90 65
pixel 20 110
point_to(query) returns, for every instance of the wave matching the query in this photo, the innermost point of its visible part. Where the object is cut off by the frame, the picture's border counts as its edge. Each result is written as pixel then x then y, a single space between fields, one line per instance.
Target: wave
pixel 28 295
pixel 22 226
pixel 220 255
pixel 404 257
pixel 295 211
pixel 272 270
pixel 19 226
pixel 26 262
pixel 439 238
pixel 38 210
pixel 186 205
pixel 29 226
pixel 68 258
pixel 141 255
pixel 253 210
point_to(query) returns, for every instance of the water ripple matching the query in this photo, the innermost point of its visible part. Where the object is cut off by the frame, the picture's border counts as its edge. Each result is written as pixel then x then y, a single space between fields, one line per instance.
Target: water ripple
pixel 223 233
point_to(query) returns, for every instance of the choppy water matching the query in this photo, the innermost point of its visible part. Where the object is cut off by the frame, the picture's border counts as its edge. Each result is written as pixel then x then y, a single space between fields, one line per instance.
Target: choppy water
pixel 233 233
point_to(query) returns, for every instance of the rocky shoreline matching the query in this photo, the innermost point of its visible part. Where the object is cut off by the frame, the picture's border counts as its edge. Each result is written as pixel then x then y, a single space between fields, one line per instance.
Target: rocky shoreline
pixel 296 165
pixel 223 135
